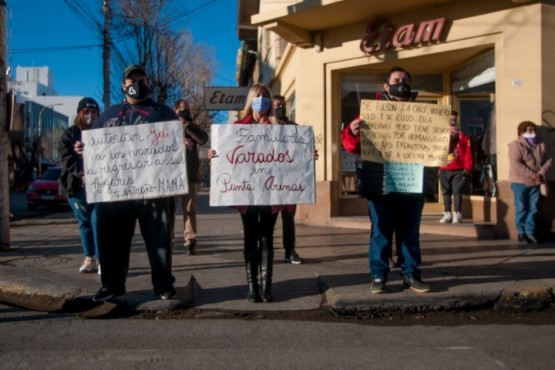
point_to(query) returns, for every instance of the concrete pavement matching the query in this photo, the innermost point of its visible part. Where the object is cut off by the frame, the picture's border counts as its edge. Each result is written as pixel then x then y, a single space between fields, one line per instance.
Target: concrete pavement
pixel 40 271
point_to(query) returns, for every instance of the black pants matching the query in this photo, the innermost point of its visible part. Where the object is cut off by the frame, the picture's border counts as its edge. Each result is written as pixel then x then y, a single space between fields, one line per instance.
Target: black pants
pixel 116 227
pixel 452 184
pixel 258 225
pixel 288 229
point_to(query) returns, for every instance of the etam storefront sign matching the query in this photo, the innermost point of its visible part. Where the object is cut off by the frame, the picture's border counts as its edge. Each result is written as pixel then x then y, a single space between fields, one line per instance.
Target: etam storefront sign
pixel 382 35
pixel 225 98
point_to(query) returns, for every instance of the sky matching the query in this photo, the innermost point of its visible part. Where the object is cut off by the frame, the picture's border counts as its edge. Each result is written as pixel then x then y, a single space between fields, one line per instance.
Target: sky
pixel 38 25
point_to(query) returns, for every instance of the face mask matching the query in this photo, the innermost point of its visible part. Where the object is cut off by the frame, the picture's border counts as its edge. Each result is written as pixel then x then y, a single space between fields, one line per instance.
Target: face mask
pixel 88 119
pixel 280 113
pixel 260 104
pixel 530 138
pixel 400 90
pixel 137 90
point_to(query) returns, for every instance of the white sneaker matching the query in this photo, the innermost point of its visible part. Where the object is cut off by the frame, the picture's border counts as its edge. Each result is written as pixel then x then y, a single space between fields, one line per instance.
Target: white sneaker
pixel 88 265
pixel 447 218
pixel 457 218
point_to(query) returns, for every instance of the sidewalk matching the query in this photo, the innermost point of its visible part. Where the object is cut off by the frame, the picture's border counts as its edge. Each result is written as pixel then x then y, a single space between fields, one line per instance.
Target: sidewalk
pixel 41 270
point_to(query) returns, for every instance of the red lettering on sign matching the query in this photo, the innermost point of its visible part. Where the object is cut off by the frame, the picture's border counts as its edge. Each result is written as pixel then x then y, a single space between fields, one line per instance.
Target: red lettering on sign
pixel 157 136
pixel 238 156
pixel 404 36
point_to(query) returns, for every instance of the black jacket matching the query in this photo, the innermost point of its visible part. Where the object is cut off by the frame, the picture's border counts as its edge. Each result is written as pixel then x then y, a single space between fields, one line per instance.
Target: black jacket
pixel 199 137
pixel 72 164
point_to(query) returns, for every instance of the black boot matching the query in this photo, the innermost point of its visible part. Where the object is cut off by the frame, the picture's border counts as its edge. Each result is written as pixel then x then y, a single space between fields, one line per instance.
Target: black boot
pixel 266 269
pixel 251 265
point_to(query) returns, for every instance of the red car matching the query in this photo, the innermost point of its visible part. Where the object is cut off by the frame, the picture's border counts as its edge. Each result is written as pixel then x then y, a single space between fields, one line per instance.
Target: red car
pixel 44 191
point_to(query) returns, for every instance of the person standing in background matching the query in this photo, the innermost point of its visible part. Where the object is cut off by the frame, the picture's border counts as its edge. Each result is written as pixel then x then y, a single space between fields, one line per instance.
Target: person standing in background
pixel 528 164
pixel 194 137
pixel 72 185
pixel 454 175
pixel 288 212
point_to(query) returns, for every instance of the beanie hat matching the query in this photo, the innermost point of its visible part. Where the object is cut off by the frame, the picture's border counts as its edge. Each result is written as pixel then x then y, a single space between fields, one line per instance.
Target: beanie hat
pixel 133 68
pixel 87 103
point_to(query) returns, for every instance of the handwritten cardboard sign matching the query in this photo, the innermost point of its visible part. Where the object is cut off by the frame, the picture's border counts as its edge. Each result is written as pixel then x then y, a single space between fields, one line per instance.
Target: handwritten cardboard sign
pixel 262 165
pixel 404 132
pixel 135 162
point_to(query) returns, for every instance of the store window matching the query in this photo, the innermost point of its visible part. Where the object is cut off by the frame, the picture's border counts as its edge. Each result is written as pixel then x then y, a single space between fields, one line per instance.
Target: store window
pixel 473 87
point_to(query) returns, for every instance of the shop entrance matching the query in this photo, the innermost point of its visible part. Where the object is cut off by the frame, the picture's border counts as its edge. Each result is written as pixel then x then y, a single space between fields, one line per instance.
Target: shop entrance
pixel 468 86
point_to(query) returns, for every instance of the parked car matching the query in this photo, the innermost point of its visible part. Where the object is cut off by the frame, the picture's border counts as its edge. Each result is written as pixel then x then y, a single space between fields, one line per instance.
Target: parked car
pixel 44 191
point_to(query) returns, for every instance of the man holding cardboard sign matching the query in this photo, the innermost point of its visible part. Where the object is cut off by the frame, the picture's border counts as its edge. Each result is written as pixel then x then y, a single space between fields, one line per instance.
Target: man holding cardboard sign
pixel 395 140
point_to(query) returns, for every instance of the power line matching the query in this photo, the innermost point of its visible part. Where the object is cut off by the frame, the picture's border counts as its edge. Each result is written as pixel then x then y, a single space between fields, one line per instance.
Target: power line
pixel 85 14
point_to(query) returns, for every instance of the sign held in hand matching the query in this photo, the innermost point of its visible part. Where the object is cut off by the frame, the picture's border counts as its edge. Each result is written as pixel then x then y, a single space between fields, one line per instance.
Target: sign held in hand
pixel 135 162
pixel 262 165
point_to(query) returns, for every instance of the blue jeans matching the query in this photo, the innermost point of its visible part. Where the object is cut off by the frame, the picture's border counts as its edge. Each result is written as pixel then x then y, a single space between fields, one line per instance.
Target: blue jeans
pixel 526 207
pixel 86 221
pixel 401 213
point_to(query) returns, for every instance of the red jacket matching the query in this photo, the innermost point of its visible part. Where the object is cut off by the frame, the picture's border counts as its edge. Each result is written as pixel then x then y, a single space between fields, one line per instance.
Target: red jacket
pixel 460 155
pixel 350 142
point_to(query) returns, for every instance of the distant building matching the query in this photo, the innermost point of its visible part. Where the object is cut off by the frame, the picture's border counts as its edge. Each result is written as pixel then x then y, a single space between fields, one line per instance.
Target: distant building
pixel 38 117
pixel 37 84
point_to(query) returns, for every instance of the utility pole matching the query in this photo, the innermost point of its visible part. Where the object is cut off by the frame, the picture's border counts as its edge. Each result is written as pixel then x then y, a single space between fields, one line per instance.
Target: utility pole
pixel 106 53
pixel 4 127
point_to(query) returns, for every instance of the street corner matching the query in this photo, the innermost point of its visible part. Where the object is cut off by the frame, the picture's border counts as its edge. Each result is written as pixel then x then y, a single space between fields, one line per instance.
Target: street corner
pixel 525 299
pixel 38 292
pixel 18 296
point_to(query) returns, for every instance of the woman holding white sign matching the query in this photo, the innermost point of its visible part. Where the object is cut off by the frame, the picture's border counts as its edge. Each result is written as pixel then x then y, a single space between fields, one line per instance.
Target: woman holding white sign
pixel 258 221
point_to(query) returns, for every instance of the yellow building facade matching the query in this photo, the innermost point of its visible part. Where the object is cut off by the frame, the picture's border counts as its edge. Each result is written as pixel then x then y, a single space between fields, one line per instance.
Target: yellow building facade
pixel 492 61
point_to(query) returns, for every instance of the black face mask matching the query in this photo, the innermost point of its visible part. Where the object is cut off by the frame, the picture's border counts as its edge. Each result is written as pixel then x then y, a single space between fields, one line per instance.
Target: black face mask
pixel 137 90
pixel 400 90
pixel 280 113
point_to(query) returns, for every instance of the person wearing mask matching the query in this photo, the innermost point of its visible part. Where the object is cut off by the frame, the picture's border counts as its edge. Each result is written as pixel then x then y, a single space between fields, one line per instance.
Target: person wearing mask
pixel 258 221
pixel 453 176
pixel 117 220
pixel 383 209
pixel 194 137
pixel 72 185
pixel 528 164
pixel 288 212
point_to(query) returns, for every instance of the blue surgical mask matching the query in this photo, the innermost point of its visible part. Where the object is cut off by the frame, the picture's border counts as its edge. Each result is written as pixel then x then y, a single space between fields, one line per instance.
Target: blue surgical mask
pixel 261 104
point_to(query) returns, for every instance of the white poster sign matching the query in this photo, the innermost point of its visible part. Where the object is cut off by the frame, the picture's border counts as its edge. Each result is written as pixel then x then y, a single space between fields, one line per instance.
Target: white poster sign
pixel 135 162
pixel 262 165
